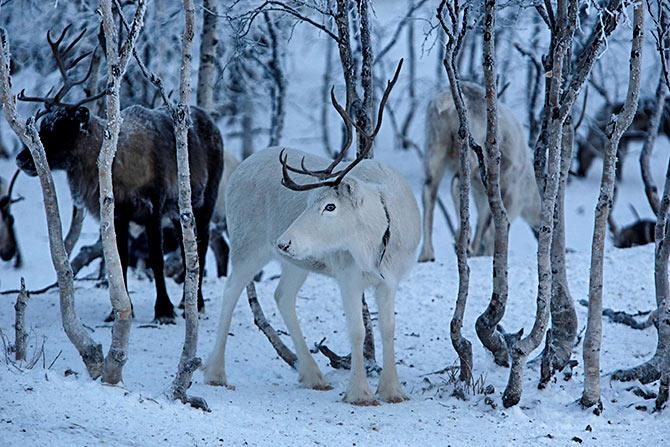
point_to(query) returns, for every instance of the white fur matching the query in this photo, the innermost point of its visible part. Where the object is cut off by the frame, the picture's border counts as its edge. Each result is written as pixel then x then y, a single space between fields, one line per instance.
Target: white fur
pixel 230 163
pixel 345 244
pixel 517 181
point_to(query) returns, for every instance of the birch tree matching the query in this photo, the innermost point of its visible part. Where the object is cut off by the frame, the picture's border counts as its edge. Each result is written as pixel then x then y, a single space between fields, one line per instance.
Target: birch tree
pixel 520 349
pixel 658 366
pixel 188 361
pixel 209 42
pixel 617 126
pixel 90 351
pixel 117 62
pixel 561 93
pixel 490 318
pixel 455 32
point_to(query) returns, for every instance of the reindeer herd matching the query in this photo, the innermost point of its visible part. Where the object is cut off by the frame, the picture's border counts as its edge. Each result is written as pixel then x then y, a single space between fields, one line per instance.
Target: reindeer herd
pixel 355 221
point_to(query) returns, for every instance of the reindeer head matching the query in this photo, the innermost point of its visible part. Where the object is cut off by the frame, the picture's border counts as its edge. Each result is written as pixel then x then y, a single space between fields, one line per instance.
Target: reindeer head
pixel 340 209
pixel 8 244
pixel 61 122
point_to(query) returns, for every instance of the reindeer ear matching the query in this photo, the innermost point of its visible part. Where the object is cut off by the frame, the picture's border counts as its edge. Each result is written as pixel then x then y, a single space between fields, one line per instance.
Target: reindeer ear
pixel 83 116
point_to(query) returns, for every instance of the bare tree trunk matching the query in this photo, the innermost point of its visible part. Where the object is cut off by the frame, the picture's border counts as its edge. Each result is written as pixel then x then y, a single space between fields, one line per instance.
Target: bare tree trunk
pixel 346 59
pixel 188 361
pixel 76 224
pixel 364 113
pixel 659 365
pixel 90 352
pixel 617 126
pixel 650 188
pixel 266 328
pixel 441 55
pixel 208 42
pixel 325 100
pixel 247 121
pixel 278 89
pixel 490 318
pixel 117 62
pixel 662 397
pixel 20 334
pixel 455 34
pixel 520 349
pixel 411 86
pixel 561 335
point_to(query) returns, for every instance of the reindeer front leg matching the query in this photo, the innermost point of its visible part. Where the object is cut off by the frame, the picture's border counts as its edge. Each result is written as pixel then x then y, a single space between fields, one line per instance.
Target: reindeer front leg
pixel 292 278
pixel 389 389
pixel 358 392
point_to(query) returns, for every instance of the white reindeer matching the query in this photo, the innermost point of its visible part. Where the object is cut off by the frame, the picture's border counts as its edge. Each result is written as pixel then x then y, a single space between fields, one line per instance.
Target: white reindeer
pixel 517 180
pixel 358 225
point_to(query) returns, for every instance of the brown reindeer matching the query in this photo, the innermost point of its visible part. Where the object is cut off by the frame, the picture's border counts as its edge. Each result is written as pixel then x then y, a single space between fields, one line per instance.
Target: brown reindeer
pixel 9 246
pixel 144 170
pixel 593 144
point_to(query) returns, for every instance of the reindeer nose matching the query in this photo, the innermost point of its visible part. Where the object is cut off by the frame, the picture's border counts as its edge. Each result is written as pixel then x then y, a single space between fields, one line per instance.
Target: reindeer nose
pixel 283 246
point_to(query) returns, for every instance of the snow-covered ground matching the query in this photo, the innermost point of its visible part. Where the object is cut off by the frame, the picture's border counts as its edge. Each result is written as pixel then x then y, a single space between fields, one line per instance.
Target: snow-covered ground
pixel 43 406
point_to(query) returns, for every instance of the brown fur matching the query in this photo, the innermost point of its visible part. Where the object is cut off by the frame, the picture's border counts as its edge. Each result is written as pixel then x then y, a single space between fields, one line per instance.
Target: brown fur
pixel 593 144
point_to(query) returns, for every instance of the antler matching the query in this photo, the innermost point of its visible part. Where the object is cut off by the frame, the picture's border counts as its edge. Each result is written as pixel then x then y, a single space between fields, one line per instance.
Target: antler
pixel 328 176
pixel 64 67
pixel 7 200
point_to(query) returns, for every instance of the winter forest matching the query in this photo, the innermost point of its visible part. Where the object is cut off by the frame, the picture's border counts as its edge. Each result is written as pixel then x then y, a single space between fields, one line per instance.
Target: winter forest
pixel 447 222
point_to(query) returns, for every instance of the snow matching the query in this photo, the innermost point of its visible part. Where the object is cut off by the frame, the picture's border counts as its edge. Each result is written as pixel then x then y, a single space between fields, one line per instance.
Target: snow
pixel 44 406
pixel 268 406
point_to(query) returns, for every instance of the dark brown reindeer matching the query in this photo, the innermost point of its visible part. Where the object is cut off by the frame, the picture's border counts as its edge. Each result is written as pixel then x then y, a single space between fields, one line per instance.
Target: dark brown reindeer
pixel 144 170
pixel 9 246
pixel 640 232
pixel 592 145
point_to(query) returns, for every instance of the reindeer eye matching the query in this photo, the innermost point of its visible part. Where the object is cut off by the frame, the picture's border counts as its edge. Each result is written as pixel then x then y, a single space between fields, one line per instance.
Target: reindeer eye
pixel 330 207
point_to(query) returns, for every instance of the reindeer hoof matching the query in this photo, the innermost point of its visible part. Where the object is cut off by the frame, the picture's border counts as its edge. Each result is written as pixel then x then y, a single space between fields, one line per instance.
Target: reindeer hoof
pixel 361 399
pixel 427 257
pixel 314 381
pixel 319 386
pixel 393 397
pixel 217 379
pixel 372 402
pixel 166 319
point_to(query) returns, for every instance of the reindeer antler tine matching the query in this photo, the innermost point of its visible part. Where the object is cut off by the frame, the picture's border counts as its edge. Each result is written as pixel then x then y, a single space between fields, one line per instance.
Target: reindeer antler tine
pixel 348 136
pixel 60 38
pixel 302 164
pixel 382 104
pixel 78 59
pixel 328 173
pixel 11 184
pixel 74 42
pixel 370 137
pixel 91 98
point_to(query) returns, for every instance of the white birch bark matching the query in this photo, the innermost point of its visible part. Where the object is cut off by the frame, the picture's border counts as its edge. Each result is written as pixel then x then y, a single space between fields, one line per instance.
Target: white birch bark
pixel 188 361
pixel 208 43
pixel 89 350
pixel 520 349
pixel 454 36
pixel 618 125
pixel 20 334
pixel 490 318
pixel 117 62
